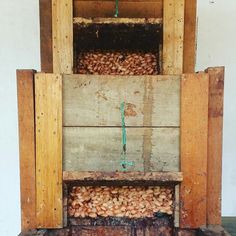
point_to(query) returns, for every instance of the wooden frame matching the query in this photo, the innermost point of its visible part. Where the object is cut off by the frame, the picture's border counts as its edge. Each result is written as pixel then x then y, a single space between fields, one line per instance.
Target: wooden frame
pixel 179 19
pixel 48 113
pixel 193 139
pixel 26 104
pixel 183 25
pixel 215 129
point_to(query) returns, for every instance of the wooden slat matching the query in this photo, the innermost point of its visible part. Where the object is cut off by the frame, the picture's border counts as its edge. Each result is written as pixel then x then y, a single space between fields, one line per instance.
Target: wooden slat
pixel 190 20
pixel 173 36
pixel 99 149
pixel 193 133
pixel 62 31
pixel 48 101
pixel 25 92
pixel 117 21
pixel 46 35
pixel 131 9
pixel 161 177
pixel 215 132
pixel 95 100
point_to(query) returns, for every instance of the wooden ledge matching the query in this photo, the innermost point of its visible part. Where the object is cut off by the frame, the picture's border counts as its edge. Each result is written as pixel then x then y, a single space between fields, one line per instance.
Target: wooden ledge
pixel 125 177
pixel 117 21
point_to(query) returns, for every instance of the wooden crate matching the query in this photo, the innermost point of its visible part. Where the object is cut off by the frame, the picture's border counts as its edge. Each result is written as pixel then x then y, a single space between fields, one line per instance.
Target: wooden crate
pixel 71 124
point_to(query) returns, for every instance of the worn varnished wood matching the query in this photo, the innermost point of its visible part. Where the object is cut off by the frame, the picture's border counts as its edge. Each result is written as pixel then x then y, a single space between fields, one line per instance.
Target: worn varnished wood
pixel 215 134
pixel 190 26
pixel 45 7
pixel 127 8
pixel 161 177
pixel 173 36
pixel 62 32
pixel 193 151
pixel 99 149
pixel 90 100
pixel 25 94
pixel 48 103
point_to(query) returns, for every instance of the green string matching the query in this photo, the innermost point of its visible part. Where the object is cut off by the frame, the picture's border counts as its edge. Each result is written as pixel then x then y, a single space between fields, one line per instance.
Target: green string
pixel 117 8
pixel 124 163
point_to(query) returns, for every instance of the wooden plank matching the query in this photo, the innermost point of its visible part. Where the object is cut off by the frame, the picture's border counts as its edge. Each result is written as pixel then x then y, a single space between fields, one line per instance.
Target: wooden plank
pixel 25 93
pixel 190 20
pixel 131 9
pixel 91 100
pixel 99 149
pixel 45 7
pixel 62 31
pixel 161 177
pixel 193 139
pixel 48 97
pixel 215 133
pixel 173 36
pixel 176 206
pixel 117 21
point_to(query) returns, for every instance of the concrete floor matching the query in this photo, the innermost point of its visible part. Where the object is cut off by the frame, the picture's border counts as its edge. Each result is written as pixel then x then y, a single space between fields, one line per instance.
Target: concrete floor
pixel 229 223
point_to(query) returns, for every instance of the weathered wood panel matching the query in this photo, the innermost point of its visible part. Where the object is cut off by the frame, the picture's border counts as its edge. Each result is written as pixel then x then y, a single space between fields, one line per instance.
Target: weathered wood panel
pixel 48 103
pixel 99 149
pixel 173 36
pixel 45 7
pixel 96 8
pixel 62 31
pixel 95 100
pixel 190 25
pixel 194 126
pixel 215 133
pixel 25 93
pixel 161 177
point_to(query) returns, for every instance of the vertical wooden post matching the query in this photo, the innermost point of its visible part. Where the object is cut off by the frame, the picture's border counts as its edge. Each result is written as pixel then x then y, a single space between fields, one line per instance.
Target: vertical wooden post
pixel 62 31
pixel 25 91
pixel 193 128
pixel 48 104
pixel 215 130
pixel 45 7
pixel 173 36
pixel 190 23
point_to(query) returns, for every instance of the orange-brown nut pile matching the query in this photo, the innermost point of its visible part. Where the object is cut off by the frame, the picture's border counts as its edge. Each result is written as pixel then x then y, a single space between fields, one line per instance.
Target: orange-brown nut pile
pixel 117 63
pixel 126 201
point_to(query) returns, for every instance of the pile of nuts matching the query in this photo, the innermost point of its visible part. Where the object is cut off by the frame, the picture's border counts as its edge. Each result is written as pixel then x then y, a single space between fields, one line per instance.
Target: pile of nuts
pixel 126 201
pixel 117 63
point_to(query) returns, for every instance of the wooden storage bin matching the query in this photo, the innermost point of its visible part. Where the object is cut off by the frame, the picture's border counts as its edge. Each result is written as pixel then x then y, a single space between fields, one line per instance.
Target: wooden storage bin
pixel 71 124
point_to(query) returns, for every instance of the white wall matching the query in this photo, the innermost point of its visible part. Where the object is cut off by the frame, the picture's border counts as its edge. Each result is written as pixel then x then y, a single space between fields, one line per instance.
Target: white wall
pixel 217 46
pixel 19 48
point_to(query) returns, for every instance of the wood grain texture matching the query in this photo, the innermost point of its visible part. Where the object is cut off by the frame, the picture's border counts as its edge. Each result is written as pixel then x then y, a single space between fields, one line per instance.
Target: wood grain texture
pixel 190 26
pixel 161 177
pixel 62 31
pixel 173 36
pixel 45 7
pixel 193 151
pixel 48 101
pixel 90 100
pixel 127 8
pixel 215 135
pixel 99 149
pixel 25 94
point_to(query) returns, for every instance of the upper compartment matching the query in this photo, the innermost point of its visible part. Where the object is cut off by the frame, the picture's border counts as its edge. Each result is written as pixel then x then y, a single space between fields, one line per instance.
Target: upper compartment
pixel 153 29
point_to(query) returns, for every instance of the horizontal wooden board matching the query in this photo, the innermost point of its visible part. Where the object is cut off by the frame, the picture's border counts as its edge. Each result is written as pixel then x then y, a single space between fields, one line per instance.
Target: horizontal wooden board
pixel 92 100
pixel 127 8
pixel 158 177
pixel 117 21
pixel 99 149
